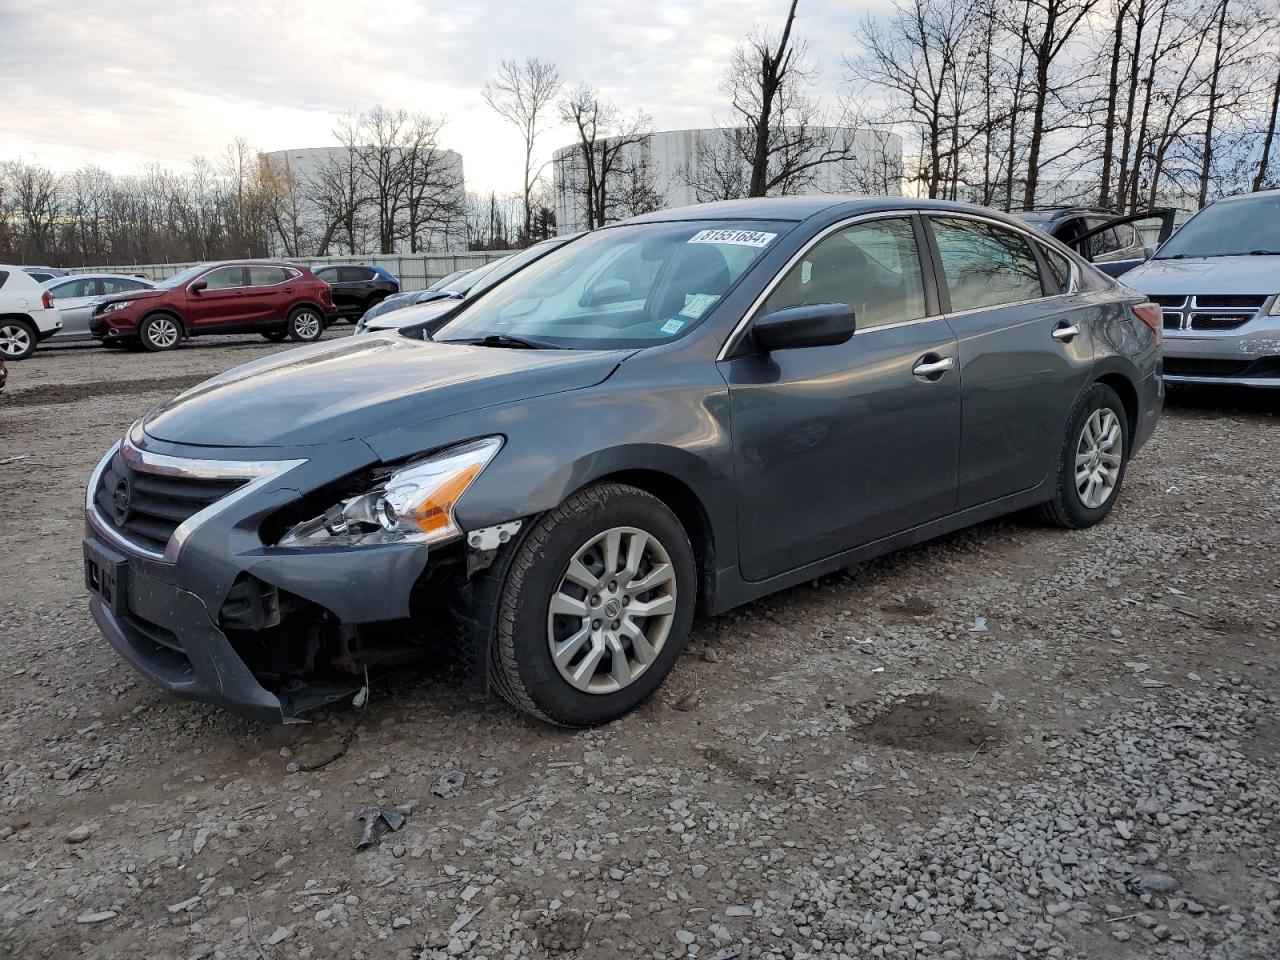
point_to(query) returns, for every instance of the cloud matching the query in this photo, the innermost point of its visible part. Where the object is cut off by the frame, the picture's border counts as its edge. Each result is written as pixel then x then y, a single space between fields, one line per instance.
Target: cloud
pixel 123 83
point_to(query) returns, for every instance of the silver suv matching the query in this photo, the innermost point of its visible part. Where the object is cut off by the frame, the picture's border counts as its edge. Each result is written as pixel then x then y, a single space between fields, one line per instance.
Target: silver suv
pixel 1218 283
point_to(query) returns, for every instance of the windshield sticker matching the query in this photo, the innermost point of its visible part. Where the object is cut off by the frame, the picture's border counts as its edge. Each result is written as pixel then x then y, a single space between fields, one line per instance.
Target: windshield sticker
pixel 696 304
pixel 672 325
pixel 740 238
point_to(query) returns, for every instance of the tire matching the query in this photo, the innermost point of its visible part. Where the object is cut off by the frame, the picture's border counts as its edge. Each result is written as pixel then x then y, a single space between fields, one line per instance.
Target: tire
pixel 275 336
pixel 521 665
pixel 160 332
pixel 1076 504
pixel 305 325
pixel 18 339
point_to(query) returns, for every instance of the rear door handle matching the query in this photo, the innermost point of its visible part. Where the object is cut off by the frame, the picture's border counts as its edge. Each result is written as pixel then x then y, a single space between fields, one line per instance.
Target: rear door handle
pixel 932 369
pixel 1066 332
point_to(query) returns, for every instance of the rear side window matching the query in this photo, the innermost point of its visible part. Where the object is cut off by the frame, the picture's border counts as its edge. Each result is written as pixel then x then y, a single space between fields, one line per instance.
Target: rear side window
pixel 873 267
pixel 354 274
pixel 327 274
pixel 267 276
pixel 119 285
pixel 985 265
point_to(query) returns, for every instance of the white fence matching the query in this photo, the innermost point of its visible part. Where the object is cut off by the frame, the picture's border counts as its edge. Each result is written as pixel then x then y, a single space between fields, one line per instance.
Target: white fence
pixel 415 271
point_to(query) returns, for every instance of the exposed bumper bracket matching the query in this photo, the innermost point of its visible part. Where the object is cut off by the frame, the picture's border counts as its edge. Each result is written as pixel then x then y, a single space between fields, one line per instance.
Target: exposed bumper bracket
pixel 483 544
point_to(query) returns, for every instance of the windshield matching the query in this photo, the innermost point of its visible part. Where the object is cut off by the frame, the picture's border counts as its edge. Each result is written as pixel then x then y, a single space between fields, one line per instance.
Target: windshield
pixel 513 264
pixel 179 279
pixel 627 286
pixel 1229 228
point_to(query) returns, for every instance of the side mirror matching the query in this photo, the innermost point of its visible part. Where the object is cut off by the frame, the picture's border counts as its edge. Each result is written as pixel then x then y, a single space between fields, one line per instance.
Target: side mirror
pixel 198 286
pixel 808 325
pixel 1149 250
pixel 606 291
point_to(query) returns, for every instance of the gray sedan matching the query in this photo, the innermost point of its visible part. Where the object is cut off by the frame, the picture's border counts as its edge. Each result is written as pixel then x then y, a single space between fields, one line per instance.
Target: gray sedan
pixel 672 415
pixel 75 296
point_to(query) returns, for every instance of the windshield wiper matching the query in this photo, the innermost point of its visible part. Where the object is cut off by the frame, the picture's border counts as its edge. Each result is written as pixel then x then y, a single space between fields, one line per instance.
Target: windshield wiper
pixel 510 340
pixel 1264 253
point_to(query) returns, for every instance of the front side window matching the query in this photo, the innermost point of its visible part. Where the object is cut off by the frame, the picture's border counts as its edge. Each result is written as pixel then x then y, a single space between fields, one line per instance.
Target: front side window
pixel 120 285
pixel 628 286
pixel 874 267
pixel 985 265
pixel 224 278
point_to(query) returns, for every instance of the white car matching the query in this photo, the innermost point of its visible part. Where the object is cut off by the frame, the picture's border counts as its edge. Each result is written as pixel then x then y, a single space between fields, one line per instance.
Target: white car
pixel 27 314
pixel 76 295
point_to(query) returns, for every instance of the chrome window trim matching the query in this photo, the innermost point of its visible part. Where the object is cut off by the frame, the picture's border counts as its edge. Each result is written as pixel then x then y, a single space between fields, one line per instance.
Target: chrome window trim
pixel 799 255
pixel 256 472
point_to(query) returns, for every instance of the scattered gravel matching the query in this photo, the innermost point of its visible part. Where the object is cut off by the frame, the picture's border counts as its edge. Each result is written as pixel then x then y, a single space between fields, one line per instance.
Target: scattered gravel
pixel 1012 742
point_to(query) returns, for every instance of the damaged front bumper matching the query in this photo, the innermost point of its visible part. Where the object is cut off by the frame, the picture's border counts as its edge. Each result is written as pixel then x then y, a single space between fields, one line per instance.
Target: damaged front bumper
pixel 201 607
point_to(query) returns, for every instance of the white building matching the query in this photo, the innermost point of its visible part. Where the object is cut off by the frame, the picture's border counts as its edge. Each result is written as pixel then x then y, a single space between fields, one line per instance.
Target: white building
pixel 674 168
pixel 309 167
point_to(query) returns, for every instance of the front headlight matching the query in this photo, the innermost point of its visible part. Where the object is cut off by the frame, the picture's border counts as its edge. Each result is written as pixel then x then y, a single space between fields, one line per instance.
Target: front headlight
pixel 115 305
pixel 413 504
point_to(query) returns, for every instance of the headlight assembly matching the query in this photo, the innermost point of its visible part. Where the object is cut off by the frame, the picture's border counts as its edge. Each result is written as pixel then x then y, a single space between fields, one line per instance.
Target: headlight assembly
pixel 414 503
pixel 115 305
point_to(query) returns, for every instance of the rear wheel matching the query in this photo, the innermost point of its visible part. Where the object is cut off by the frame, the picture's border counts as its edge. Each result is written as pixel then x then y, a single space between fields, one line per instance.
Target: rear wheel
pixel 275 336
pixel 595 608
pixel 1091 466
pixel 305 325
pixel 17 339
pixel 159 332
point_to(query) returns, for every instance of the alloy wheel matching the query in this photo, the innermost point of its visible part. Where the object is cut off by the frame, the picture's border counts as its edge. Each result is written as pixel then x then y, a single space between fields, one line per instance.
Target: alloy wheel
pixel 162 332
pixel 15 341
pixel 1099 454
pixel 307 325
pixel 612 611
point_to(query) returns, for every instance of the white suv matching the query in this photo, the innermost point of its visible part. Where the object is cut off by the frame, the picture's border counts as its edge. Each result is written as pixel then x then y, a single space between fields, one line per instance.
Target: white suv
pixel 27 315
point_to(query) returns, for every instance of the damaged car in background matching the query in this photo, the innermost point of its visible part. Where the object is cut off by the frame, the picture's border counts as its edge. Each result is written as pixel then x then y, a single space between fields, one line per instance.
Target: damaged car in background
pixel 667 417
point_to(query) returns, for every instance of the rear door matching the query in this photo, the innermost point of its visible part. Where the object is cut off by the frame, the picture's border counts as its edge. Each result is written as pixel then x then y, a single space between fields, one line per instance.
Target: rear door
pixel 1115 245
pixel 220 306
pixel 73 298
pixel 843 445
pixel 269 294
pixel 1025 351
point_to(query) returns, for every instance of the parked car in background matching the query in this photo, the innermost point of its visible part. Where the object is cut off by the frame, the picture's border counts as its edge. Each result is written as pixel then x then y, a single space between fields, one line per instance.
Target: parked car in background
pixel 357 288
pixel 678 413
pixel 471 284
pixel 27 314
pixel 451 287
pixel 1217 281
pixel 44 274
pixel 75 296
pixel 1107 239
pixel 274 299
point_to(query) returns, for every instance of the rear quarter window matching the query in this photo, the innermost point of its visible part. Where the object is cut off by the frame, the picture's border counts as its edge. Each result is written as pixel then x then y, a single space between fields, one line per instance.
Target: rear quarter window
pixel 1059 267
pixel 4 275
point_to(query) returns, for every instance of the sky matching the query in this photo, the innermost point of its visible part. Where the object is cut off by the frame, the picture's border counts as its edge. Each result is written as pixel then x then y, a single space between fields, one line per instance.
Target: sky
pixel 123 83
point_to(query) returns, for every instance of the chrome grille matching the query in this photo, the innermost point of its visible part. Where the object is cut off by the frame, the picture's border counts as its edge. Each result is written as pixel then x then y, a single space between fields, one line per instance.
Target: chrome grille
pixel 1209 312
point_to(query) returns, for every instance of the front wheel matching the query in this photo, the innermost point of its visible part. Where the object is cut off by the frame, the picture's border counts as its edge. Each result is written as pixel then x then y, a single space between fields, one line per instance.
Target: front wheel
pixel 17 339
pixel 595 608
pixel 1092 461
pixel 159 332
pixel 305 325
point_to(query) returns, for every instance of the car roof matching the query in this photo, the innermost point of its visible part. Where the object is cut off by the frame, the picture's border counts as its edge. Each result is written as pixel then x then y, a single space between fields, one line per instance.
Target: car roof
pixel 102 276
pixel 798 208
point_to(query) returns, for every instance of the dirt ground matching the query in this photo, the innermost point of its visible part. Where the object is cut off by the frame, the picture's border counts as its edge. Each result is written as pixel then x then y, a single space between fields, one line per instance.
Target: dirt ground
pixel 1013 741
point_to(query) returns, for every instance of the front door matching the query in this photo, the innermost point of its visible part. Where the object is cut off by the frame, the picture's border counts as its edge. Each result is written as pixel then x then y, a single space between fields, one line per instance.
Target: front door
pixel 1026 350
pixel 839 446
pixel 221 304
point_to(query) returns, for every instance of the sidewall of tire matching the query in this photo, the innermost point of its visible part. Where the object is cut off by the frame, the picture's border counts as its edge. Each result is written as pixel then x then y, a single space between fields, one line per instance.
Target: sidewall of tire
pixel 1079 516
pixel 292 330
pixel 535 575
pixel 145 326
pixel 32 337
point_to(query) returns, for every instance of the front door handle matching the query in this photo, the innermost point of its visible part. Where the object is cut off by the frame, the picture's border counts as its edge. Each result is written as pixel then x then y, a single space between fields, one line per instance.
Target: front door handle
pixel 931 367
pixel 1066 332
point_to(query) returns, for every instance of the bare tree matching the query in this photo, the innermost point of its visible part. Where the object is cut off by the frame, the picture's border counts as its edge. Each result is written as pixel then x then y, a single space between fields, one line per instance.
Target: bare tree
pixel 1269 134
pixel 604 137
pixel 523 94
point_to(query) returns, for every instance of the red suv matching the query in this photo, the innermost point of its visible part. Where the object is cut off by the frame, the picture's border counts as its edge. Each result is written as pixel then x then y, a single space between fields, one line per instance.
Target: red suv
pixel 274 299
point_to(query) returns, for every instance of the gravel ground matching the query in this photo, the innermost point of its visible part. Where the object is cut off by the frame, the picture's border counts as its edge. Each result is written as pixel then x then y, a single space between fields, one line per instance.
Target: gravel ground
pixel 1013 741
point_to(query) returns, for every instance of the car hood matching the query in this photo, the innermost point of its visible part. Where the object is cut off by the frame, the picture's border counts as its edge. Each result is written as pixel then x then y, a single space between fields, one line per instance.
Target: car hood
pixel 1206 275
pixel 361 386
pixel 132 295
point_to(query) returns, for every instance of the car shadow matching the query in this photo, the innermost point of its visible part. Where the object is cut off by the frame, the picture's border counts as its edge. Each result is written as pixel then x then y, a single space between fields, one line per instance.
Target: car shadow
pixel 1210 401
